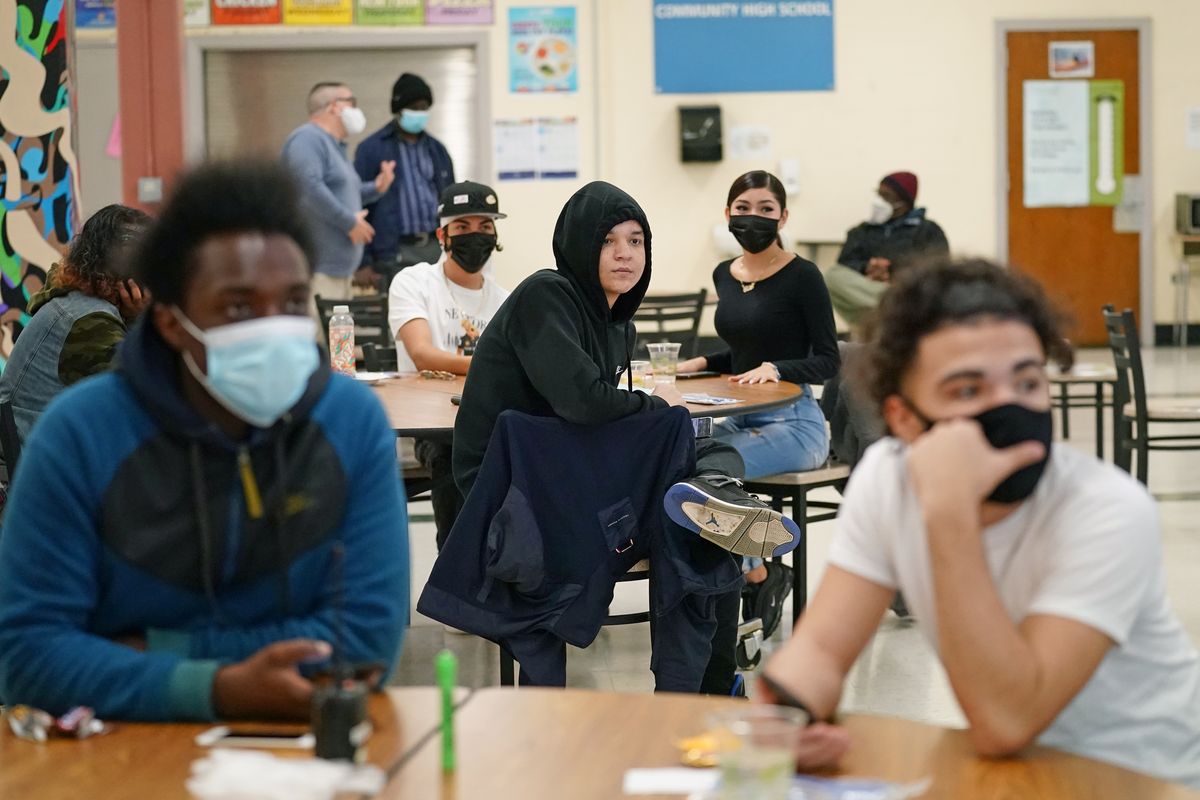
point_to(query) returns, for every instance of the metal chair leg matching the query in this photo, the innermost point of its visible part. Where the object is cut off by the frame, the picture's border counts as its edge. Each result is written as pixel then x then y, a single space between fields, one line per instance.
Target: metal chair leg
pixel 800 556
pixel 1066 410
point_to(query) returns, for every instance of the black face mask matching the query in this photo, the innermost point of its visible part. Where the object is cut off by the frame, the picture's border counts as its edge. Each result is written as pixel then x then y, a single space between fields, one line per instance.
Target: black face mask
pixel 471 250
pixel 754 233
pixel 1005 426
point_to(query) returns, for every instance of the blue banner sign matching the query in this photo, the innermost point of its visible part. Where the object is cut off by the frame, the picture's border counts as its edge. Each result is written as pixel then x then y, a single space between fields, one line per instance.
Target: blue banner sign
pixel 743 46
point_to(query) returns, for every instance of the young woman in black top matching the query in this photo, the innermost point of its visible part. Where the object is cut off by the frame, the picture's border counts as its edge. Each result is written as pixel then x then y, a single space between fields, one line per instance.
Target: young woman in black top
pixel 774 312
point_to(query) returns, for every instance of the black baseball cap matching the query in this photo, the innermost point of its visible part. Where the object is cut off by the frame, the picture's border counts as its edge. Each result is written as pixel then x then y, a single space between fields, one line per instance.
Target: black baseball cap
pixel 468 199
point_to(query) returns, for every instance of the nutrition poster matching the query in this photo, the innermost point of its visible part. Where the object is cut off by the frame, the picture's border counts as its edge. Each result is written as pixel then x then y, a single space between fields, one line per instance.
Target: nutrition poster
pixel 543 55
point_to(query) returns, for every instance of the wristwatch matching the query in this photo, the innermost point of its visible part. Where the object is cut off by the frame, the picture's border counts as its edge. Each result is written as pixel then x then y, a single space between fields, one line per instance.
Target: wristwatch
pixel 783 697
pixel 778 374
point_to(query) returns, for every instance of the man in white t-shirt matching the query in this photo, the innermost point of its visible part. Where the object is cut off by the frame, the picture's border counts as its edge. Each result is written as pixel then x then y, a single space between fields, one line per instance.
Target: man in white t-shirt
pixel 437 312
pixel 1034 571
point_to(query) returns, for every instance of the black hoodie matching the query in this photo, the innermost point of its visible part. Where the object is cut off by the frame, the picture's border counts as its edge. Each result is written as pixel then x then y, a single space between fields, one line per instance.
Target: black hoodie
pixel 555 348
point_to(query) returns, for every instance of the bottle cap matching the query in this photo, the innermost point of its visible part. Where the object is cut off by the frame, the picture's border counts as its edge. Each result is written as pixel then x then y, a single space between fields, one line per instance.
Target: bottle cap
pixel 341 309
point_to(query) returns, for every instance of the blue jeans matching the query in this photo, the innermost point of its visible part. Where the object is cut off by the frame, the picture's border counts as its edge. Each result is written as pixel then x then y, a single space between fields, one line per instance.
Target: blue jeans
pixel 789 439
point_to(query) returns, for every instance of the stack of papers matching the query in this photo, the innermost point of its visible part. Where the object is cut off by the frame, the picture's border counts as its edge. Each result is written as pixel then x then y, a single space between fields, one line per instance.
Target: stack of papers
pixel 710 400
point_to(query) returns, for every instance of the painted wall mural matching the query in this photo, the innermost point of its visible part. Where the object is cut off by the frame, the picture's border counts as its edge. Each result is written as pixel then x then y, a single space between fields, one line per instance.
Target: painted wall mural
pixel 38 167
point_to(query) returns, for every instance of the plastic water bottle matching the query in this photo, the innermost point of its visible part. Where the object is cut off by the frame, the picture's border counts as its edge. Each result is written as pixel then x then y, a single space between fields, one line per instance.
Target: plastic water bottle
pixel 341 340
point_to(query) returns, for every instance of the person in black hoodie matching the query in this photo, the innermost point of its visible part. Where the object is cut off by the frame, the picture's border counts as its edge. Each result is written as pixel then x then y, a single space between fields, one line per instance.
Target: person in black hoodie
pixel 560 345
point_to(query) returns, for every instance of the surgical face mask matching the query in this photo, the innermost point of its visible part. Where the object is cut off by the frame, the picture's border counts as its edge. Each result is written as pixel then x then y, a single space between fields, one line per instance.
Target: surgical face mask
pixel 354 120
pixel 753 233
pixel 413 121
pixel 257 369
pixel 881 211
pixel 1005 426
pixel 471 251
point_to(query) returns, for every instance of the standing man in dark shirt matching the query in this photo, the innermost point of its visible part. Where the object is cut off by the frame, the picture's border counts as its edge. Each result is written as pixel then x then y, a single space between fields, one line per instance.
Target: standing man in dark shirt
pixel 895 235
pixel 405 217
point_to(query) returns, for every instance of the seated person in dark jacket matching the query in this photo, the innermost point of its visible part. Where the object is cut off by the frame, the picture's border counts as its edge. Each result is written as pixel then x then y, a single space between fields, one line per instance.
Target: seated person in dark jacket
pixel 895 235
pixel 560 346
pixel 78 318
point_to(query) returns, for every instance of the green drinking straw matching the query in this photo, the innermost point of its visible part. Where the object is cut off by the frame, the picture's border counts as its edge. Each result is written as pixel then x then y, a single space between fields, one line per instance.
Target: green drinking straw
pixel 446 666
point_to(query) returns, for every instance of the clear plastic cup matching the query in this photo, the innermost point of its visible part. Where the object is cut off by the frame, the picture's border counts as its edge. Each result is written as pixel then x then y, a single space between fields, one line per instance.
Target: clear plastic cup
pixel 641 375
pixel 664 357
pixel 756 751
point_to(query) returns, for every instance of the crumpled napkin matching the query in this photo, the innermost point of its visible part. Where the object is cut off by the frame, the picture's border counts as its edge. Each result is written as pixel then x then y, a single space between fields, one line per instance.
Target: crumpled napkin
pixel 226 774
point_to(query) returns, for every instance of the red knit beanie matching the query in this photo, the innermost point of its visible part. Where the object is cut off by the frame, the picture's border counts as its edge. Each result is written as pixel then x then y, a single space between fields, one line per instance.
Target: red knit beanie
pixel 903 182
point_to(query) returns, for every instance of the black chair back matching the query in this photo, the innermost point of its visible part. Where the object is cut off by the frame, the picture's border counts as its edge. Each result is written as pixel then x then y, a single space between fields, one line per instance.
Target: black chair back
pixel 1126 349
pixel 10 440
pixel 378 359
pixel 670 317
pixel 370 318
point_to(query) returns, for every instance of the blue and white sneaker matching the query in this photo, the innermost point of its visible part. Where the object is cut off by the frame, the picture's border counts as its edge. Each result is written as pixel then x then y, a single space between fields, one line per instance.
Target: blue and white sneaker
pixel 716 507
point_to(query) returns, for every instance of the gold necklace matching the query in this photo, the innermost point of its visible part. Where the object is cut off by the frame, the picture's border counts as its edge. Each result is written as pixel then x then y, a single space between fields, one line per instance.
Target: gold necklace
pixel 748 286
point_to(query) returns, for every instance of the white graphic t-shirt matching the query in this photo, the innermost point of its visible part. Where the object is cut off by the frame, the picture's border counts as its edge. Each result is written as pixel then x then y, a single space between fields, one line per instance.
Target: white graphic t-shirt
pixel 456 315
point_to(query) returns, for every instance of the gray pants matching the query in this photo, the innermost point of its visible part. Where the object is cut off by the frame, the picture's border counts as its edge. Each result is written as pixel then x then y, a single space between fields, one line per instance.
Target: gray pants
pixel 853 294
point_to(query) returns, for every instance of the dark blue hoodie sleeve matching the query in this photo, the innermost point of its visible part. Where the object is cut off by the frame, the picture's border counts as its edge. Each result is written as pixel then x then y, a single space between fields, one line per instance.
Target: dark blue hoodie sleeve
pixel 547 338
pixel 50 555
pixel 374 534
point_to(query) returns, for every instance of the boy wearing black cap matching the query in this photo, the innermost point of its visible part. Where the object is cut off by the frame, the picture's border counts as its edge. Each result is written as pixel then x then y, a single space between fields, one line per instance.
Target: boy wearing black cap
pixel 405 217
pixel 895 234
pixel 438 310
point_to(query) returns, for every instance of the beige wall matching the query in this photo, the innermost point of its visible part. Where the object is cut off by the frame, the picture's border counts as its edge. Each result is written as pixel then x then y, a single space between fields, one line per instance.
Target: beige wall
pixel 916 89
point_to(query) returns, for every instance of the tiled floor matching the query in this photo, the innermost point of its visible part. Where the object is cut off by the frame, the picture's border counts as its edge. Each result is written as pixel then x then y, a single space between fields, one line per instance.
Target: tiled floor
pixel 897 673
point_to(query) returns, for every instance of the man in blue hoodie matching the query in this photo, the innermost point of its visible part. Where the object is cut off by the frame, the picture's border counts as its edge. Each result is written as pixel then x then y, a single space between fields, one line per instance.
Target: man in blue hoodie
pixel 172 539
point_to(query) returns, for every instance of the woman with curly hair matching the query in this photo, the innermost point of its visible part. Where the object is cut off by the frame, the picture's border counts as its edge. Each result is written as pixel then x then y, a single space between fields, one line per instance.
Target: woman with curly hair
pixel 78 318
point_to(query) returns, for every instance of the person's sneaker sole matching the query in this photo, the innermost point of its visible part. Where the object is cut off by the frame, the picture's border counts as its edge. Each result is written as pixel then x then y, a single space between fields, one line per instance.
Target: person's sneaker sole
pixel 745 530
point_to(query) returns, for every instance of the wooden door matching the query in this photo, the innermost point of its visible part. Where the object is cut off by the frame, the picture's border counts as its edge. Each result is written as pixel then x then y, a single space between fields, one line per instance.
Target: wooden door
pixel 1073 251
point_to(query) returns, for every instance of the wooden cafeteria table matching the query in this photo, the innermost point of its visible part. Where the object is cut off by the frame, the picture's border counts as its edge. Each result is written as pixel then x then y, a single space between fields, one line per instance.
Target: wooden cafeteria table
pixel 147 760
pixel 549 744
pixel 419 406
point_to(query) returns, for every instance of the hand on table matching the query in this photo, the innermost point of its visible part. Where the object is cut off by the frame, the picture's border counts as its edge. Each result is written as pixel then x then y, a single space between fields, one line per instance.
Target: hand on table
pixel 818 746
pixel 267 684
pixel 697 364
pixel 764 373
pixel 668 392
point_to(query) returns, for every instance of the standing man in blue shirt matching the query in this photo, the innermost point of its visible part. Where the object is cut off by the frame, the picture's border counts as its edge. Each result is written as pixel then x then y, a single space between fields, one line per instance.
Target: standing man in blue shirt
pixel 333 194
pixel 405 217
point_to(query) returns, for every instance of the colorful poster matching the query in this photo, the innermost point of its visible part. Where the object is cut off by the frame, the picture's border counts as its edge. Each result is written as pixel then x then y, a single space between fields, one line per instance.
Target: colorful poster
pixel 542 52
pixel 459 12
pixel 318 12
pixel 793 46
pixel 195 13
pixel 95 13
pixel 390 12
pixel 246 12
